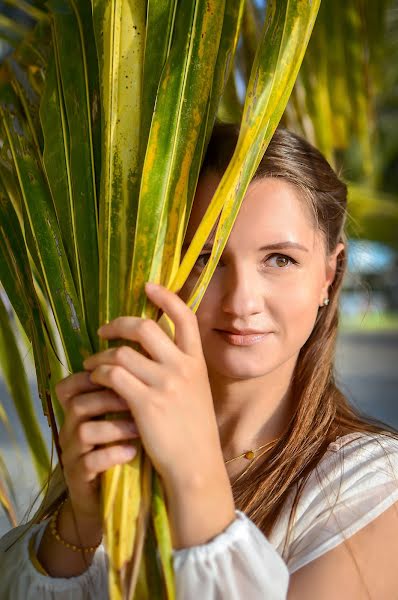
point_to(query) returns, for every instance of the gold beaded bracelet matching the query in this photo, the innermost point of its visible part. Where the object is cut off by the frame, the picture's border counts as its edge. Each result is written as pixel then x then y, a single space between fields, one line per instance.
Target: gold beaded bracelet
pixel 55 533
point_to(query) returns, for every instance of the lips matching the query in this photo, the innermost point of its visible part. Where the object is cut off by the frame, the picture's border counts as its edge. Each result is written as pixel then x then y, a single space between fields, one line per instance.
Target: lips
pixel 242 331
pixel 242 339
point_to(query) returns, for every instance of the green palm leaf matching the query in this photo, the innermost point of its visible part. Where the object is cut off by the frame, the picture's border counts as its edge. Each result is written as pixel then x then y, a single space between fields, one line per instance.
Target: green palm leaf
pixel 5 498
pixel 172 140
pixel 31 310
pixel 120 34
pixel 102 144
pixel 15 377
pixel 10 30
pixel 32 10
pixel 285 36
pixel 372 215
pixel 71 63
pixel 43 227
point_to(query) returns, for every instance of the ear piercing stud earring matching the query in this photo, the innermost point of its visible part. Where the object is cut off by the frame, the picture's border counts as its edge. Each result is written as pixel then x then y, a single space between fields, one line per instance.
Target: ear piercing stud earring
pixel 326 302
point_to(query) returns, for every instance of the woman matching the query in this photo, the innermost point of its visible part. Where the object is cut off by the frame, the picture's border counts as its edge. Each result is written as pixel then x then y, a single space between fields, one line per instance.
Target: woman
pixel 276 488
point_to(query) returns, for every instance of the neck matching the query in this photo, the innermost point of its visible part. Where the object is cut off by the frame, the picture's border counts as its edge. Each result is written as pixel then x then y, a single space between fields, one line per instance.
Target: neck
pixel 252 412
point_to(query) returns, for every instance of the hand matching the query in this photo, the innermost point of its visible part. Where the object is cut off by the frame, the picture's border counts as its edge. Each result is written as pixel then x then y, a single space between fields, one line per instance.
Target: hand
pixel 168 392
pixel 82 440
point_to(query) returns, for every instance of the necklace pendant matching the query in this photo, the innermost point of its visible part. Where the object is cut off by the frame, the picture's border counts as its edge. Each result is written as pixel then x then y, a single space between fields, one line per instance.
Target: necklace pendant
pixel 249 455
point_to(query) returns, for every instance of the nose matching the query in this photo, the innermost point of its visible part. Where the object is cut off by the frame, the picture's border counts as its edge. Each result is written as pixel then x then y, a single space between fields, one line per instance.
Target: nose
pixel 241 295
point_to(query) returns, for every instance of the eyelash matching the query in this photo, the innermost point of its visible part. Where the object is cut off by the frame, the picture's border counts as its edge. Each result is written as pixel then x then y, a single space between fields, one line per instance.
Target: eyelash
pixel 289 258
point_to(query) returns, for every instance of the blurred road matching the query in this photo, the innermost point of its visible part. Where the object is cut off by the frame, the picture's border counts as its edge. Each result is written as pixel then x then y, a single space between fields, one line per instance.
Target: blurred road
pixel 367 372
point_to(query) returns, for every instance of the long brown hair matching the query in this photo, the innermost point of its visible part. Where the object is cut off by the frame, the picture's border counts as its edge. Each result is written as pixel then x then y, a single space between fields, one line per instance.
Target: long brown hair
pixel 321 411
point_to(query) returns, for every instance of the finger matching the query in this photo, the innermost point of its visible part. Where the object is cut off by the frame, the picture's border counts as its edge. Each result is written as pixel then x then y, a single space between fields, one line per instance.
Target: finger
pixel 86 406
pixel 74 384
pixel 147 370
pixel 93 404
pixel 93 463
pixel 187 336
pixel 97 433
pixel 147 332
pixel 125 385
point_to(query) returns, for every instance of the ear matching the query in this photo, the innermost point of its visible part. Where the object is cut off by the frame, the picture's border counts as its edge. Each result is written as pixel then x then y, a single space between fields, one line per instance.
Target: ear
pixel 331 264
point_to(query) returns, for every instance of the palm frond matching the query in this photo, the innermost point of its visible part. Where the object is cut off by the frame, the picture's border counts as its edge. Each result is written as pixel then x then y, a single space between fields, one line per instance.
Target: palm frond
pixel 106 110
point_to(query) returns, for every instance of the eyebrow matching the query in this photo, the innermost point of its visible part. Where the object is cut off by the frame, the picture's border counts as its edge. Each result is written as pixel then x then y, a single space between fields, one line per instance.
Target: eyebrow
pixel 276 246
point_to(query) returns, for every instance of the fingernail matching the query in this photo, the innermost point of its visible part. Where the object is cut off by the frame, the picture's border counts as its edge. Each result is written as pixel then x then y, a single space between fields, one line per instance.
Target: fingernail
pixel 101 329
pixel 129 451
pixel 151 286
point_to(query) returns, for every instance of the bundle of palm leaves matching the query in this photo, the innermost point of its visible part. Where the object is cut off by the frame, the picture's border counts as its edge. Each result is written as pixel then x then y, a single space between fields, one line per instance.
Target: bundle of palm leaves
pixel 106 110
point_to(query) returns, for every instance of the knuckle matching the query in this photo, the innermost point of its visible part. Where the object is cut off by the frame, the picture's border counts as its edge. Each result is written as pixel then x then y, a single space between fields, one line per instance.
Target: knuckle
pixel 191 315
pixel 113 453
pixel 81 433
pixel 77 407
pixel 86 463
pixel 146 326
pixel 60 390
pixel 122 354
pixel 73 407
pixel 170 385
pixel 118 321
pixel 106 457
pixel 115 374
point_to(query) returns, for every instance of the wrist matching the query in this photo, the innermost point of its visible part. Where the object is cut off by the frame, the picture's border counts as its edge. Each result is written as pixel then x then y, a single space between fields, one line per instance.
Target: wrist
pixel 210 470
pixel 199 508
pixel 78 529
pixel 56 557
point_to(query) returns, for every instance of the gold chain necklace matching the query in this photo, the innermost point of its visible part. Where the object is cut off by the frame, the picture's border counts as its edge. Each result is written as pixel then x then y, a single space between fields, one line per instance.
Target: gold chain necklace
pixel 250 453
pixel 250 457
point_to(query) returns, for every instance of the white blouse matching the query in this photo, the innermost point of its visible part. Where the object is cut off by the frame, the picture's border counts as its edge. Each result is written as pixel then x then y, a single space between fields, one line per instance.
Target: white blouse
pixel 356 480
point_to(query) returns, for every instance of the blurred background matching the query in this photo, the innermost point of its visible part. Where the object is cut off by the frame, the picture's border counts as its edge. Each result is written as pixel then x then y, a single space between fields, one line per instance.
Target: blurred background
pixel 345 102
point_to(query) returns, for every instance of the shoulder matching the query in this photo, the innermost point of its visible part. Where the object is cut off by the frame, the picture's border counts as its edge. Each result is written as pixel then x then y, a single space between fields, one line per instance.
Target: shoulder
pixel 355 451
pixel 349 531
pixel 357 463
pixel 354 482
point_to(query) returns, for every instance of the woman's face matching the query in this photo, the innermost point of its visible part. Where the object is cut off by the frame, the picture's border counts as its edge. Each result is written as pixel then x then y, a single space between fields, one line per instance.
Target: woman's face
pixel 272 277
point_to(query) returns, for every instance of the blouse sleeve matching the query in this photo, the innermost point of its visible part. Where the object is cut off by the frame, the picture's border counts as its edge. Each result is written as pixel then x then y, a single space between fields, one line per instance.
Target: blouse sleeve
pixel 238 563
pixel 353 484
pixel 20 580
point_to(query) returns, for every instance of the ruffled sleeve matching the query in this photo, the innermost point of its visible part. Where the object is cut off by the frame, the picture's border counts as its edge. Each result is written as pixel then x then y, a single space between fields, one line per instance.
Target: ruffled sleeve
pixel 238 563
pixel 354 483
pixel 20 580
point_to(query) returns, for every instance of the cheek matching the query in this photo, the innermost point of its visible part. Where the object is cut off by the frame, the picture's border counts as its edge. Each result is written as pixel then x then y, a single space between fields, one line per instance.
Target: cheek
pixel 206 310
pixel 298 309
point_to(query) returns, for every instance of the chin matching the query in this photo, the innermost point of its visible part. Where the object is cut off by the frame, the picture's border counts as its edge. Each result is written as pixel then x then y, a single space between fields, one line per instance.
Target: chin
pixel 236 368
